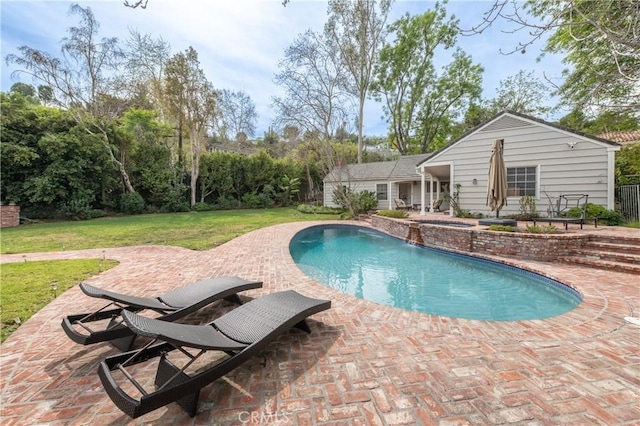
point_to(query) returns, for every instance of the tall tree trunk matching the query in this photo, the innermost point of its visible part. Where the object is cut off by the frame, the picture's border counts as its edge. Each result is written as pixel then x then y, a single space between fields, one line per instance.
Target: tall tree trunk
pixel 360 119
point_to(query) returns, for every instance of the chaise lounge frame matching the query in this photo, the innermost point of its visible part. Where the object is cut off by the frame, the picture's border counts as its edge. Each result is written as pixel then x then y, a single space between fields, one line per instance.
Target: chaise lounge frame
pixel 170 306
pixel 241 334
pixel 565 202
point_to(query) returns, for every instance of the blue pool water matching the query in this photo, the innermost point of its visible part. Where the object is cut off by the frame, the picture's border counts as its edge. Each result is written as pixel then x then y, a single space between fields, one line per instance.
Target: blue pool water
pixel 376 267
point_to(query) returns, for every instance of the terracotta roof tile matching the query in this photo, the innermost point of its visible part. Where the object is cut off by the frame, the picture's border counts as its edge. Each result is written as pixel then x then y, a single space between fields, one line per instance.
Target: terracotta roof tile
pixel 622 137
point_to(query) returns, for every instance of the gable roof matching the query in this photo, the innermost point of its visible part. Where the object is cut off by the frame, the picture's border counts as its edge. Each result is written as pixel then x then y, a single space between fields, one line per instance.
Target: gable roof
pixel 512 118
pixel 402 168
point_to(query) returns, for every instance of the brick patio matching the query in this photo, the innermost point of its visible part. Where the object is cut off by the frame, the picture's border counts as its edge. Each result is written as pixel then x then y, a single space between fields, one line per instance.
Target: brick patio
pixel 363 363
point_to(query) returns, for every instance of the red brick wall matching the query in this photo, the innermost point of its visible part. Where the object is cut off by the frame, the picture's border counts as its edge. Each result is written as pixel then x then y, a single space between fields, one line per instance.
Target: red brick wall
pixel 9 215
pixel 516 245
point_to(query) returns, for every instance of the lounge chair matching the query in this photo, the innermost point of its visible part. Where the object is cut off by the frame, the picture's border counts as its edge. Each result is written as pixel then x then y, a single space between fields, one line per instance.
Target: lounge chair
pixel 401 205
pixel 564 203
pixel 171 306
pixel 241 334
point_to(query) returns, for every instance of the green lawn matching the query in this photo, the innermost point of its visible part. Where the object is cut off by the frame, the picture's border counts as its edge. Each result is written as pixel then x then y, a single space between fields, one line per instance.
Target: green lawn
pixel 26 286
pixel 193 230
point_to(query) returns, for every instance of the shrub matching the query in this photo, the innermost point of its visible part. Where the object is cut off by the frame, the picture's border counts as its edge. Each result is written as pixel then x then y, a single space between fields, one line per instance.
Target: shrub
pixel 606 217
pixel 503 228
pixel 175 201
pixel 267 196
pixel 311 209
pixel 367 201
pixel 78 206
pixel 132 203
pixel 542 229
pixel 225 203
pixel 396 214
pixel 202 207
pixel 527 208
pixel 251 201
pixel 354 203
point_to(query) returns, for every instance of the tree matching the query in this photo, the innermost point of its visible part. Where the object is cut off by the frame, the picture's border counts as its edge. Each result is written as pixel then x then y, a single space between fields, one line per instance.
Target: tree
pixel 195 103
pixel 24 89
pixel 84 81
pixel 521 93
pixel 50 165
pixel 237 114
pixel 291 133
pixel 312 76
pixel 356 29
pixel 419 102
pixel 146 60
pixel 600 39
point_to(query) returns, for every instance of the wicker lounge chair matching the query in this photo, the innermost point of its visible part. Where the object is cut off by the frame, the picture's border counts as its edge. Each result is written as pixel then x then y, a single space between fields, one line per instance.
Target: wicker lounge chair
pixel 241 334
pixel 170 306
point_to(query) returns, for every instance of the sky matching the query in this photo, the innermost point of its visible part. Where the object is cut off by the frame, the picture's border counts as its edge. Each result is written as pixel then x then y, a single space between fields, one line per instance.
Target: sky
pixel 240 42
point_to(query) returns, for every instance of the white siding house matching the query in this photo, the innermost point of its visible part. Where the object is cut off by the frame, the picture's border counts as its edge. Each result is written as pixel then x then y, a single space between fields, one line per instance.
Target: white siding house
pixel 543 160
pixel 390 180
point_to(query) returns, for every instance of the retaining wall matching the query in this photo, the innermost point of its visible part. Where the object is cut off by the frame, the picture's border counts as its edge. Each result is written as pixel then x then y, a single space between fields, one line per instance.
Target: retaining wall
pixel 476 239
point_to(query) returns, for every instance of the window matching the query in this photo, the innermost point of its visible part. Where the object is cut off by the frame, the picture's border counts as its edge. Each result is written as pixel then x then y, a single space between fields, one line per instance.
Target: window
pixel 381 191
pixel 521 181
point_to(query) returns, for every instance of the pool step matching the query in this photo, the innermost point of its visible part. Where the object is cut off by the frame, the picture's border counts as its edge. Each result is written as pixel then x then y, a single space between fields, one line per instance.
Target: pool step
pixel 620 254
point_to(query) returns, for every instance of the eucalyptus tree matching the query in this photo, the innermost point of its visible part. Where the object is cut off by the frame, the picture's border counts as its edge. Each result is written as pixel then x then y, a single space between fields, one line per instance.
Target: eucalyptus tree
pixel 419 102
pixel 356 29
pixel 316 100
pixel 84 80
pixel 237 114
pixel 194 103
pixel 313 79
pixel 600 41
pixel 144 69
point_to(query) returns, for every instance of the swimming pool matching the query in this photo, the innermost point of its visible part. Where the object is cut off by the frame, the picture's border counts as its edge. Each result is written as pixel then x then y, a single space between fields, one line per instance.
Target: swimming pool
pixel 374 266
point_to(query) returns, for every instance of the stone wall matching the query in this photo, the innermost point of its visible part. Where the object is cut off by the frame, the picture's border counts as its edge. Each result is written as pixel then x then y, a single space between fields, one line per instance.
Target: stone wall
pixel 9 215
pixel 516 245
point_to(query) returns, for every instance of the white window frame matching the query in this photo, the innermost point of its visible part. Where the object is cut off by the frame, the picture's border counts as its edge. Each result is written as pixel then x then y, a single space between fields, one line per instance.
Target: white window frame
pixel 536 181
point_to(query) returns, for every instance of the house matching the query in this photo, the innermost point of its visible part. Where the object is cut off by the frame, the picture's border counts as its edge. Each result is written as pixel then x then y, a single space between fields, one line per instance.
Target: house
pixel 543 160
pixel 390 180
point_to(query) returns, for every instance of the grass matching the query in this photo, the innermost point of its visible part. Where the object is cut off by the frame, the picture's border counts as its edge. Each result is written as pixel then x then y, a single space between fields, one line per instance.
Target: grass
pixel 27 286
pixel 193 230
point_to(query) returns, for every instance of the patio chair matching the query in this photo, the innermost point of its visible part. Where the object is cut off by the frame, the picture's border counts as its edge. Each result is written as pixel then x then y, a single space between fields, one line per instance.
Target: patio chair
pixel 564 203
pixel 171 306
pixel 401 205
pixel 241 334
pixel 436 205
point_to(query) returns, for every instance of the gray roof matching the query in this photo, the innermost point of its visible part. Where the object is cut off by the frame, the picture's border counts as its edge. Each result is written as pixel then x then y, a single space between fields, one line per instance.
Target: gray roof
pixel 402 168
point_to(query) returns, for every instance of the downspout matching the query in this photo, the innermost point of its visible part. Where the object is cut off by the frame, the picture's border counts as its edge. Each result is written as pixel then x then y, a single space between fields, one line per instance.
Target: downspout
pixel 611 178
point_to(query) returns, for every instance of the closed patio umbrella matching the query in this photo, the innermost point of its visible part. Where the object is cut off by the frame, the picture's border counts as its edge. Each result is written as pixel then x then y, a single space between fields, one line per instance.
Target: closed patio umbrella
pixel 497 184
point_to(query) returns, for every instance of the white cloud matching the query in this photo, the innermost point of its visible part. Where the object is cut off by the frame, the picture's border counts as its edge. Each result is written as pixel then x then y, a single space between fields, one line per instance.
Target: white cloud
pixel 240 42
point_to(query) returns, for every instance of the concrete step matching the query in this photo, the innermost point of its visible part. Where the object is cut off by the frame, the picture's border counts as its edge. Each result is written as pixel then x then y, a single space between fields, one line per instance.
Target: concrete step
pixel 608 265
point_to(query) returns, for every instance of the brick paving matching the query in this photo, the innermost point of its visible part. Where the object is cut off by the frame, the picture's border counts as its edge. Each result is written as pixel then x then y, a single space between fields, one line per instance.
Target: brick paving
pixel 363 363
